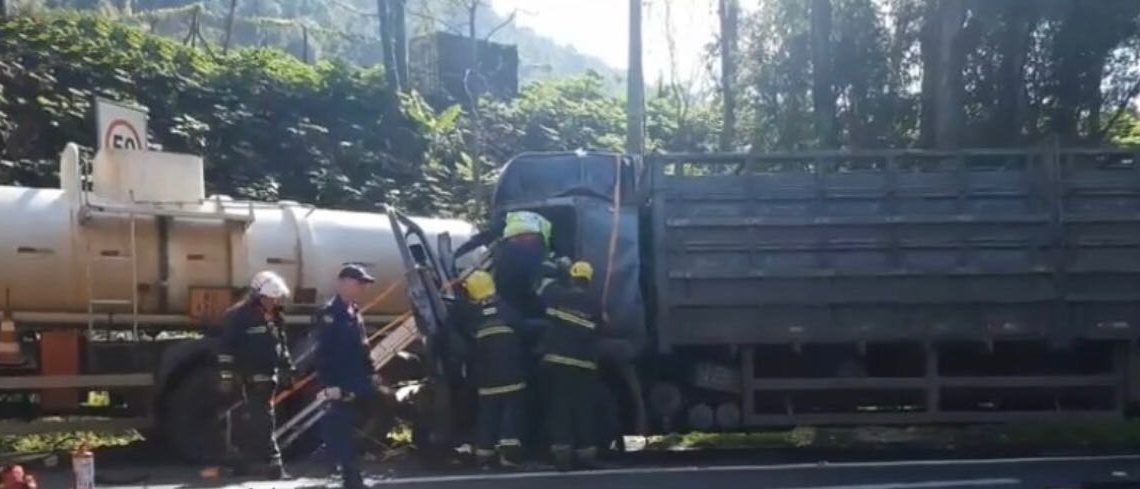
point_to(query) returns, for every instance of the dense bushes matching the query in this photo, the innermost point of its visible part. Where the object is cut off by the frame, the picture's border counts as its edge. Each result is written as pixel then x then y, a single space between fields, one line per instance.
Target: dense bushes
pixel 272 127
pixel 268 125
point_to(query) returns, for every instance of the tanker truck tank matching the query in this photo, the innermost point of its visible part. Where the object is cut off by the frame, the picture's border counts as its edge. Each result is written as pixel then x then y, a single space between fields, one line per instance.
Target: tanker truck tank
pixel 68 252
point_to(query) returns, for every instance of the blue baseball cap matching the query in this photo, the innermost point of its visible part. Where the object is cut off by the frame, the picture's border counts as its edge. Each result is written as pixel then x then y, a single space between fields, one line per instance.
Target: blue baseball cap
pixel 357 273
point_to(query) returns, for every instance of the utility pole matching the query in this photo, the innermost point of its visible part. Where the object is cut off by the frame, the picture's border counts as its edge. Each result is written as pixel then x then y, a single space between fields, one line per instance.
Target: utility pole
pixel 400 41
pixel 391 72
pixel 635 95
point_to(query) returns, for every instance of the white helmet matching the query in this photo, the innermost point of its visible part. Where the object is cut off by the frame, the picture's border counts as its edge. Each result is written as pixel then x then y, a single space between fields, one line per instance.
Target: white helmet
pixel 269 284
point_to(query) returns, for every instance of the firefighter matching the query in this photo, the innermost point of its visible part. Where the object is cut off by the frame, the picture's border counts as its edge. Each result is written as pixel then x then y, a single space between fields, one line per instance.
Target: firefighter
pixel 344 368
pixel 568 366
pixel 521 255
pixel 253 352
pixel 499 375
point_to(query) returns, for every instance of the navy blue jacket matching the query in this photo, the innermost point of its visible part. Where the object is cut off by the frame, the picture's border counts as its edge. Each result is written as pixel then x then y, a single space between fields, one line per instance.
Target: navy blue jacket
pixel 342 355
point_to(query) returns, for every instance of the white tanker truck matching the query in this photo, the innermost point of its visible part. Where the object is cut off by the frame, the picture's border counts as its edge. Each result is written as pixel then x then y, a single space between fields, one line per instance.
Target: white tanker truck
pixel 109 285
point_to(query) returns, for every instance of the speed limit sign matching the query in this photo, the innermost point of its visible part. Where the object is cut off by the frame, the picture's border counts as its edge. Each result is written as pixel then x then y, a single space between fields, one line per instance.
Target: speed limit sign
pixel 120 126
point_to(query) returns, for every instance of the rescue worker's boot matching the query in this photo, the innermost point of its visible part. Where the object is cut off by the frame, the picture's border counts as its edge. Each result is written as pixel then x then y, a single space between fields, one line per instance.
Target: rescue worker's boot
pixel 277 472
pixel 510 457
pixel 587 458
pixel 563 457
pixel 485 459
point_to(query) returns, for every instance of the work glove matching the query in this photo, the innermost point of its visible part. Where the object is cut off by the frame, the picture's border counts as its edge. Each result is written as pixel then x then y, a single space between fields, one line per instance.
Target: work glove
pixel 332 393
pixel 226 383
pixel 286 377
pixel 337 394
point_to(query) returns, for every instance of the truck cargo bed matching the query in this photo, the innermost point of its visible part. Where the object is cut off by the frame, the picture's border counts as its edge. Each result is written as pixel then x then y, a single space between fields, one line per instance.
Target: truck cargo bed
pixel 882 245
pixel 899 286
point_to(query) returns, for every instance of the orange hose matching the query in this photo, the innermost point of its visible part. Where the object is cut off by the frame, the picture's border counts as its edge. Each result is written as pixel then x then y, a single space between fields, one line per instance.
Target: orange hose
pixel 613 239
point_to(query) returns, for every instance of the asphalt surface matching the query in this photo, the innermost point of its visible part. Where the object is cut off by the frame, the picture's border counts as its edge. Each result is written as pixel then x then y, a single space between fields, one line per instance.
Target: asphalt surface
pixel 1093 472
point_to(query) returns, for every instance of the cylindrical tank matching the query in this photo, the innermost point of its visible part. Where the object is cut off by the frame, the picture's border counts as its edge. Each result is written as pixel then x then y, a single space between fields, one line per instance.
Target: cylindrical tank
pixel 46 252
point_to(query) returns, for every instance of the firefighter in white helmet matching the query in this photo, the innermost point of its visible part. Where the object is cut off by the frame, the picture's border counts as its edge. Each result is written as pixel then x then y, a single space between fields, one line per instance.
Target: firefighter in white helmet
pixel 253 355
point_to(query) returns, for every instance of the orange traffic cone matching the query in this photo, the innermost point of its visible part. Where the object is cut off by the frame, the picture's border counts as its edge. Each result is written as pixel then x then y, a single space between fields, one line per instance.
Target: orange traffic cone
pixel 9 344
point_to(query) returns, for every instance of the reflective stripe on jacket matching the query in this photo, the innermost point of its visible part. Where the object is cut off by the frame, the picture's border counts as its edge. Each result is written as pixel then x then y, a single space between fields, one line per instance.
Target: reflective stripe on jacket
pixel 498 359
pixel 572 337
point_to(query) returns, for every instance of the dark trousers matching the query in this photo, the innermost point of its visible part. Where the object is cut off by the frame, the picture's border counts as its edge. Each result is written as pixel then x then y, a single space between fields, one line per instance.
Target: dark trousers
pixel 253 429
pixel 337 428
pixel 569 406
pixel 500 423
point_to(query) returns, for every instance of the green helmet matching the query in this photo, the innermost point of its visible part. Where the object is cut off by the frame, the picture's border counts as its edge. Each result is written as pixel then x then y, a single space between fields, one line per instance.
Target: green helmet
pixel 527 222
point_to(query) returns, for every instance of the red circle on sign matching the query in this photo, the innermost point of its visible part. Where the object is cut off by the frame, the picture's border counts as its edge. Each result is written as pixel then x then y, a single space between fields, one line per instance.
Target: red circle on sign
pixel 115 125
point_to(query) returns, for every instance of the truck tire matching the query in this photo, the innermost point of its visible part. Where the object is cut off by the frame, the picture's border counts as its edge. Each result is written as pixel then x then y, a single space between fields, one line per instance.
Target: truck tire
pixel 189 418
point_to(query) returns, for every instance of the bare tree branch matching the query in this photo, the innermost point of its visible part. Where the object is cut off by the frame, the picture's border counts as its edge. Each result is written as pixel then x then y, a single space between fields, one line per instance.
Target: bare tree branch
pixel 510 18
pixel 428 16
pixel 353 10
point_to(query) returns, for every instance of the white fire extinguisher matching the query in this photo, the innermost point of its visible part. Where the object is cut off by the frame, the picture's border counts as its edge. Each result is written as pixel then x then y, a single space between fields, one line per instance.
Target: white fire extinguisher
pixel 83 463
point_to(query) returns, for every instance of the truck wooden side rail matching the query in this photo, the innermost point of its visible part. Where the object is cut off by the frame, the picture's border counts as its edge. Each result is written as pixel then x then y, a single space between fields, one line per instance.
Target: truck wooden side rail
pixel 900 286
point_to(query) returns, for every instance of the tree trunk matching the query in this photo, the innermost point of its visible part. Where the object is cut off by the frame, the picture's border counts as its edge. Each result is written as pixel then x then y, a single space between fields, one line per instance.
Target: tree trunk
pixel 928 45
pixel 3 9
pixel 472 18
pixel 951 56
pixel 1094 98
pixel 229 26
pixel 1068 55
pixel 400 41
pixel 305 44
pixel 1020 19
pixel 391 72
pixel 822 93
pixel 635 96
pixel 728 26
pixel 473 77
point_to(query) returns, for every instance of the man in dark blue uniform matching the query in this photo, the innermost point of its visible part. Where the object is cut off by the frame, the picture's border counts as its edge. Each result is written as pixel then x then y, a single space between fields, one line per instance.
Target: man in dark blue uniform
pixel 252 353
pixel 345 369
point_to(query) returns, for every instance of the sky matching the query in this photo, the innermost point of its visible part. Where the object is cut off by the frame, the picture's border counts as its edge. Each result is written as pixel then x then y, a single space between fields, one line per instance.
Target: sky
pixel 601 28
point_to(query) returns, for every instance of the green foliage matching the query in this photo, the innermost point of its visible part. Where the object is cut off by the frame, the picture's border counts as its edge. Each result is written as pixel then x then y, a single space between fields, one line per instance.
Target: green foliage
pixel 50 442
pixel 578 113
pixel 269 126
pixel 1126 131
pixel 344 29
pixel 1030 70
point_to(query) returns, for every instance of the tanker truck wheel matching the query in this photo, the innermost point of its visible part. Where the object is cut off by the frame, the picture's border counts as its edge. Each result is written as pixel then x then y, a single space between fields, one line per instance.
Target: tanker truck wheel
pixel 189 418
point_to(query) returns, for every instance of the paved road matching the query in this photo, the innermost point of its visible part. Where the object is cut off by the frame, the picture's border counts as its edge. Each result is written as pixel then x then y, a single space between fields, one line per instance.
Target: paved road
pixel 1027 473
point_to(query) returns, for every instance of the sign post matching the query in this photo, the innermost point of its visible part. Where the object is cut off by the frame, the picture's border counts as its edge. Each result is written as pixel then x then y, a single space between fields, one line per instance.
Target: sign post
pixel 120 126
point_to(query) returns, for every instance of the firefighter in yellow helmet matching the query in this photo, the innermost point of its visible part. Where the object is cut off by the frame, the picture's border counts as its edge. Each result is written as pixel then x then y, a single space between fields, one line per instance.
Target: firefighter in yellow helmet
pixel 499 375
pixel 568 366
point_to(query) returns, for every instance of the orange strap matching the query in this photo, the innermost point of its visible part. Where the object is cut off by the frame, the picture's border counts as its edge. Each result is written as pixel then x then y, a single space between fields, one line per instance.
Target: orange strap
pixel 613 239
